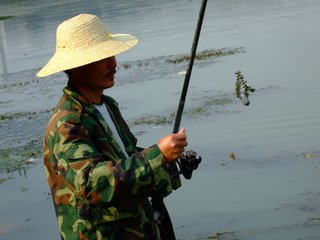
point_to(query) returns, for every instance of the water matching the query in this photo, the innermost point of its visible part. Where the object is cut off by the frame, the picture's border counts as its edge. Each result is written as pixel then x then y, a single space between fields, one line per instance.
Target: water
pixel 267 191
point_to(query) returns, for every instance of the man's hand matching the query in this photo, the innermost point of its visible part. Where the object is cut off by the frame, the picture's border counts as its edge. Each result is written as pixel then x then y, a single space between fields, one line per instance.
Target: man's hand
pixel 172 146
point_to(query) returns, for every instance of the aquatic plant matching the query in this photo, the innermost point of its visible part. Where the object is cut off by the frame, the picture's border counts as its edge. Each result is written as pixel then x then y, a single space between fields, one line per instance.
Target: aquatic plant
pixel 223 235
pixel 153 120
pixel 18 159
pixel 2 18
pixel 13 84
pixel 126 65
pixel 242 90
pixel 232 155
pixel 12 164
pixel 197 110
pixel 163 61
pixel 203 107
pixel 205 54
pixel 15 115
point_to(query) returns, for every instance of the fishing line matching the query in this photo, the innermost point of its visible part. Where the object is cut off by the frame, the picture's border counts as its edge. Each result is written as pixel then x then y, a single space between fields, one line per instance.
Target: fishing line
pixel 244 40
pixel 242 89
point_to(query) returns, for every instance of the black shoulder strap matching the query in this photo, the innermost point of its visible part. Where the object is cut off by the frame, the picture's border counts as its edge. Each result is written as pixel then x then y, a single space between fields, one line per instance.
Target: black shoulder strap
pixel 164 221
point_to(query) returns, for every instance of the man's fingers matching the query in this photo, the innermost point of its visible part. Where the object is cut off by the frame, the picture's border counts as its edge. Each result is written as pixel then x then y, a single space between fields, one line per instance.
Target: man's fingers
pixel 181 135
pixel 182 143
pixel 173 145
pixel 182 130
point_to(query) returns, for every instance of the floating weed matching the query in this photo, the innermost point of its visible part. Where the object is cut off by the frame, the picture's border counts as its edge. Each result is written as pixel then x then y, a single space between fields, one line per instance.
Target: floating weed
pixel 153 120
pixel 5 102
pixel 19 84
pixel 23 189
pixel 18 159
pixel 197 111
pixel 218 101
pixel 11 116
pixel 126 65
pixel 315 220
pixel 2 18
pixel 179 59
pixel 309 155
pixel 139 132
pixel 223 235
pixel 203 55
pixel 232 156
pixel 13 164
pixel 205 105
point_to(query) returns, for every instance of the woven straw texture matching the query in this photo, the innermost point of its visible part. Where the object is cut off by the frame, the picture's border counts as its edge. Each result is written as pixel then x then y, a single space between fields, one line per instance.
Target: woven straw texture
pixel 84 39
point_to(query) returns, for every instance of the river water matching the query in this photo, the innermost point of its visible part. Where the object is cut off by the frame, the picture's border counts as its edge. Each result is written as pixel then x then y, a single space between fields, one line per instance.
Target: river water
pixel 270 191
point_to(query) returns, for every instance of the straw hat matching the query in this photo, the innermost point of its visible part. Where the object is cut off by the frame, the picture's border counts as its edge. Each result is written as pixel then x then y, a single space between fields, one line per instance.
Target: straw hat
pixel 84 39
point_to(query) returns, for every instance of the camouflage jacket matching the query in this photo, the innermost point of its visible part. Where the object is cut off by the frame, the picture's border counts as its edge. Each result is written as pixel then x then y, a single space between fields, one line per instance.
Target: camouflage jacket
pixel 97 192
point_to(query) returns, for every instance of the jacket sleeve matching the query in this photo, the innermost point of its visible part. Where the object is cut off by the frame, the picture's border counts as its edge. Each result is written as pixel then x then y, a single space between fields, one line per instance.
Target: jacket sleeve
pixel 96 176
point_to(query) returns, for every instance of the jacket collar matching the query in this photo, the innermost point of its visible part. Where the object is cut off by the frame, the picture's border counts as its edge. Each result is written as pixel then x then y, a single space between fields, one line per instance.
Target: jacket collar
pixel 81 101
pixel 84 106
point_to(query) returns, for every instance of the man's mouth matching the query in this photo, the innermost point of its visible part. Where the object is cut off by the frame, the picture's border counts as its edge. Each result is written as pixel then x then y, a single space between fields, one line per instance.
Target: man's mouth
pixel 111 73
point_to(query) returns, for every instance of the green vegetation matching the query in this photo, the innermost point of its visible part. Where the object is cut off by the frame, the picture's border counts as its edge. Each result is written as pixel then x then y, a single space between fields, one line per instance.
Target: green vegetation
pixel 154 120
pixel 203 107
pixel 12 84
pixel 243 90
pixel 126 65
pixel 2 18
pixel 182 58
pixel 11 116
pixel 18 158
pixel 223 235
pixel 203 55
pixel 241 86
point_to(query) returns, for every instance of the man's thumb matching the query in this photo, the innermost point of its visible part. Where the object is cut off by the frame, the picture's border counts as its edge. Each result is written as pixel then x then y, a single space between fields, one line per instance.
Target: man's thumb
pixel 182 130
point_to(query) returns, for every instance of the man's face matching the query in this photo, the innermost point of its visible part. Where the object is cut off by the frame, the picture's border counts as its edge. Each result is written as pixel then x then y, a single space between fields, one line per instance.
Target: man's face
pixel 98 75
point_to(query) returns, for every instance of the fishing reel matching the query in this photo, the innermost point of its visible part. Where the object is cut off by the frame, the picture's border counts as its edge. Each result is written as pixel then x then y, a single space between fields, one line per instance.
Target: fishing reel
pixel 189 162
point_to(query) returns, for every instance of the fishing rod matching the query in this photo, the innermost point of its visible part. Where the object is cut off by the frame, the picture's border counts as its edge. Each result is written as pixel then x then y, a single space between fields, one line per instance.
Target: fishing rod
pixel 189 69
pixel 189 162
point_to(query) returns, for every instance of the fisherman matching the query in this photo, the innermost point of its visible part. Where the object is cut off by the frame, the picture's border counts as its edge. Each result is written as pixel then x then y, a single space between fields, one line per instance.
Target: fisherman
pixel 100 181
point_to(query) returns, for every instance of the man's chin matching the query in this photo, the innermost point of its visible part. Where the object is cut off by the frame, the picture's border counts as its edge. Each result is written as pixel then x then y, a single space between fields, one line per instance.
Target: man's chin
pixel 109 83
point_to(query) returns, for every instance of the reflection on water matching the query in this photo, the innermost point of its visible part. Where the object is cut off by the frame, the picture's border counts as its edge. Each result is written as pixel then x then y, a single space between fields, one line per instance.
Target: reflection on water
pixel 280 39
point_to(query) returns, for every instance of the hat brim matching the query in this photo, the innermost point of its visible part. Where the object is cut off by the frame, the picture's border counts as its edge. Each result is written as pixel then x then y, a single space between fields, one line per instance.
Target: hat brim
pixel 64 60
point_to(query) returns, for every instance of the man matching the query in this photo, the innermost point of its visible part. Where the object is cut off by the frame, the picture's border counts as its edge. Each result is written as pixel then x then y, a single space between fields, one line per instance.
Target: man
pixel 100 182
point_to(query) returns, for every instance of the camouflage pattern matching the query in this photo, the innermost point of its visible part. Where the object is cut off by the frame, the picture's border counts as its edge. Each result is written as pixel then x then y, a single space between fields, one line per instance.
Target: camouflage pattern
pixel 97 192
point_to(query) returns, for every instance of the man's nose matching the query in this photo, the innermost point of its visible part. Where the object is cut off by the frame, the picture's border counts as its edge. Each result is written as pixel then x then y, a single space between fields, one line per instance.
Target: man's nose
pixel 113 61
